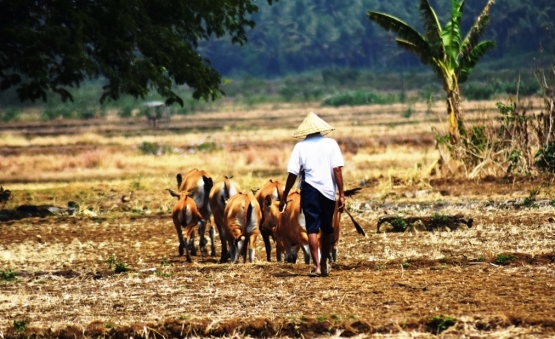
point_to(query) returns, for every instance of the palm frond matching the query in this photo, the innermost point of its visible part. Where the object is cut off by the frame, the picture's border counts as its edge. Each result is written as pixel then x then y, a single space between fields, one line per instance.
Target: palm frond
pixel 469 60
pixel 451 34
pixel 424 54
pixel 477 30
pixel 396 25
pixel 431 25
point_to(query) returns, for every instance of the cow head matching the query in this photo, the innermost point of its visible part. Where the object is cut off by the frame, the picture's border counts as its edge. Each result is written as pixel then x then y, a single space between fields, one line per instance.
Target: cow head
pixel 270 213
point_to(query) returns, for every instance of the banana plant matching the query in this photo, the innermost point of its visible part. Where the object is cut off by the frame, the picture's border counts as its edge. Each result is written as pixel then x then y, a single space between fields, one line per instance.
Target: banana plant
pixel 444 49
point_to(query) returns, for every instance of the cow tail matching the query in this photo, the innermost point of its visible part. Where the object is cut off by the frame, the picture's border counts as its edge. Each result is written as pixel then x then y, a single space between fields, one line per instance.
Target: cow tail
pixel 208 183
pixel 248 210
pixel 226 188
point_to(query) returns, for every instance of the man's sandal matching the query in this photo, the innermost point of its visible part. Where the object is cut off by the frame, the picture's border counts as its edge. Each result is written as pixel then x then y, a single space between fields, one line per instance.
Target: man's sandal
pixel 313 273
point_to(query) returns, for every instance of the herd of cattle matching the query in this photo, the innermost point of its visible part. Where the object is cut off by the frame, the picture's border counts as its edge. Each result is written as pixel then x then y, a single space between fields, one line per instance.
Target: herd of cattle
pixel 240 217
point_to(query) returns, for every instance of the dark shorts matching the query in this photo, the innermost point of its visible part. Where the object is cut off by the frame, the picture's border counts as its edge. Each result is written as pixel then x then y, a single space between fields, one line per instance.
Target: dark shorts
pixel 317 209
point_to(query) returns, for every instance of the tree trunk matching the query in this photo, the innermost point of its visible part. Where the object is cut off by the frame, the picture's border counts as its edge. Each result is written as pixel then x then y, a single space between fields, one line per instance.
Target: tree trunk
pixel 454 113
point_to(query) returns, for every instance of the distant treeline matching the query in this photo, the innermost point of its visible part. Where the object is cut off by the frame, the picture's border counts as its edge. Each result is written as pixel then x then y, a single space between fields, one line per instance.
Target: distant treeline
pixel 295 36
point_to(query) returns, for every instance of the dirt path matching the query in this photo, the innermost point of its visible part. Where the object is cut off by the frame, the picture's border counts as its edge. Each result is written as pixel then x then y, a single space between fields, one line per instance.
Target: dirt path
pixel 385 283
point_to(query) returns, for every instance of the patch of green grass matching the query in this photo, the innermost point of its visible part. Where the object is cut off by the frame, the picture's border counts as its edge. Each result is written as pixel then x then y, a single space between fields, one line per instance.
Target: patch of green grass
pixel 111 260
pixel 336 317
pixel 121 267
pixel 109 325
pixel 379 267
pixel 7 275
pixel 208 147
pixel 184 317
pixel 19 325
pixel 405 264
pixel 321 318
pixel 166 262
pixel 163 274
pixel 440 323
pixel 439 218
pixel 502 259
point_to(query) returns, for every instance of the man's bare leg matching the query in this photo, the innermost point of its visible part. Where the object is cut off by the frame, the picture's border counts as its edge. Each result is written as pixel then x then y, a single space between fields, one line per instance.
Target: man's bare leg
pixel 313 244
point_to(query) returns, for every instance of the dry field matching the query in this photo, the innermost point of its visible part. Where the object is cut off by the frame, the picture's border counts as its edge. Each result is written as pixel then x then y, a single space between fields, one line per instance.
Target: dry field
pixel 60 274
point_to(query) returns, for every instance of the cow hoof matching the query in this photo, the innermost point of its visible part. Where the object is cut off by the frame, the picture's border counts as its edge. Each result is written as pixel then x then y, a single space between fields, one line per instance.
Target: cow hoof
pixel 180 250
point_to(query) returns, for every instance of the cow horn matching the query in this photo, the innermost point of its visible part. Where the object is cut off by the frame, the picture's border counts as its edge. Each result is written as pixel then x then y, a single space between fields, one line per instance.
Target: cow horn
pixel 173 193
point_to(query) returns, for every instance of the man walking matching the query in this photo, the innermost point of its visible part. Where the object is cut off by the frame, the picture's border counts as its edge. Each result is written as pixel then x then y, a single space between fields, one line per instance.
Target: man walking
pixel 317 161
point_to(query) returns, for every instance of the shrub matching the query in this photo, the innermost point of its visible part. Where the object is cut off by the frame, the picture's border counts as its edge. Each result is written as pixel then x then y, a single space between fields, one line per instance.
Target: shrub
pixel 478 91
pixel 10 114
pixel 544 160
pixel 126 112
pixel 399 223
pixel 356 98
pixel 153 148
pixel 340 76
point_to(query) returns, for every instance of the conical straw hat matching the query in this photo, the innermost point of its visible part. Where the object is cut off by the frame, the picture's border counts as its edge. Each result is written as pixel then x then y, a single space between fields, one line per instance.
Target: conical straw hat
pixel 312 124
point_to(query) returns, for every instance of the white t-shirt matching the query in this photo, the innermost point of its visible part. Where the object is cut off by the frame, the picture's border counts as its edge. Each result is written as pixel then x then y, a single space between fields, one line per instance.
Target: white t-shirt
pixel 317 156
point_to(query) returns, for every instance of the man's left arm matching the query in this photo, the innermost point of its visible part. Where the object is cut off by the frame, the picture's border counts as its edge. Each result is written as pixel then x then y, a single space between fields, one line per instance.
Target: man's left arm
pixel 338 175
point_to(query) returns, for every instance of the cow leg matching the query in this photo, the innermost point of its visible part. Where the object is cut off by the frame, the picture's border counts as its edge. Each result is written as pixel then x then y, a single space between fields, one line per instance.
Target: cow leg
pixel 333 254
pixel 177 224
pixel 191 245
pixel 212 234
pixel 267 245
pixel 306 254
pixel 232 249
pixel 241 243
pixel 188 243
pixel 202 240
pixel 223 239
pixel 279 251
pixel 252 240
pixel 293 254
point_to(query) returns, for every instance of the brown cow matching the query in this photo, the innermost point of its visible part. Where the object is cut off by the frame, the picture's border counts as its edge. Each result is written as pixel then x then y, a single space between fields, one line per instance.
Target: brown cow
pixel 242 218
pixel 186 215
pixel 290 229
pixel 197 184
pixel 219 195
pixel 273 189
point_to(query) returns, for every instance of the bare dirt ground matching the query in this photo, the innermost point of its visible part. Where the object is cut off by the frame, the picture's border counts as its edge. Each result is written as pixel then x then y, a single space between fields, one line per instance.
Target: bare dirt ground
pixel 60 274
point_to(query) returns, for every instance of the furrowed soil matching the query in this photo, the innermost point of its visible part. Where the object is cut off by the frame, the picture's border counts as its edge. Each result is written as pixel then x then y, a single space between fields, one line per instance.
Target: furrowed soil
pixel 112 269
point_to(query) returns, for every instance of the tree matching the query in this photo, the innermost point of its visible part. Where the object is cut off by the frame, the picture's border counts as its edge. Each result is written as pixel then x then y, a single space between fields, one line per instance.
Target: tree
pixel 136 45
pixel 450 56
